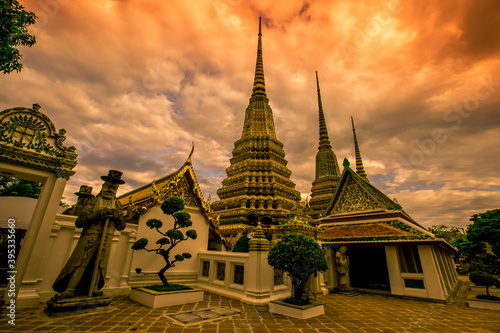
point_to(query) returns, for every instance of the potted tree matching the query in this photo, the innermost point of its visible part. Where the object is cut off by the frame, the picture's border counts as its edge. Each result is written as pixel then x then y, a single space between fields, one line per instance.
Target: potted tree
pixel 301 258
pixel 167 294
pixel 487 301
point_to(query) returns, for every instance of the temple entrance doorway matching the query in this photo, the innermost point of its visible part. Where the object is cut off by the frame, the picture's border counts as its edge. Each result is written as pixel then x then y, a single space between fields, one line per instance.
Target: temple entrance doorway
pixel 368 267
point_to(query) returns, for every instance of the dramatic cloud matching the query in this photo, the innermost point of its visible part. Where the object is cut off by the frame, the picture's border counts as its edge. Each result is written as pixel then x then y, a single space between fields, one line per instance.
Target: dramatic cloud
pixel 135 82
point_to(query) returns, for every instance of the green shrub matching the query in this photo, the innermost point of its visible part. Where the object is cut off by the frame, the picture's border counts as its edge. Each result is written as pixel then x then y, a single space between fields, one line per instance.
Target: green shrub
pixel 242 244
pixel 299 256
pixel 484 279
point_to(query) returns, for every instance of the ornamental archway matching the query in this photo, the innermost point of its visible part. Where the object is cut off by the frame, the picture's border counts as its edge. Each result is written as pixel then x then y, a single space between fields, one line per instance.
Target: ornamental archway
pixel 32 149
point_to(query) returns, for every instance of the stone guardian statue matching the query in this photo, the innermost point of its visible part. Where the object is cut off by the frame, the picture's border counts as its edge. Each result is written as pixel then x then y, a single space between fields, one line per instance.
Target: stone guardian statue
pixel 342 264
pixel 99 216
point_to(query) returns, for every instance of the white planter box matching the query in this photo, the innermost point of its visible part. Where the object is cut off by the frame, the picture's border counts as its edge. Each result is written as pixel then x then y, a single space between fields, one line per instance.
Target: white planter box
pixel 314 309
pixel 483 303
pixel 156 299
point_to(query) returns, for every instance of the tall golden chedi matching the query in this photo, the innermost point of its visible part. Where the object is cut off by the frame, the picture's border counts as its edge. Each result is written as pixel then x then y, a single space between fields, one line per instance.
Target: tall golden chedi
pixel 258 185
pixel 327 168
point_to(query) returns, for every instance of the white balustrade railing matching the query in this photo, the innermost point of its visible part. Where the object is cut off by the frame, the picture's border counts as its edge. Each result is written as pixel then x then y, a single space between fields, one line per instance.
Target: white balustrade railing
pixel 233 274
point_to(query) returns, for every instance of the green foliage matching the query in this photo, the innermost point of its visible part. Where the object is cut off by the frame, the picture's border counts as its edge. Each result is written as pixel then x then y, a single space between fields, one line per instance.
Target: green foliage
pixel 191 234
pixel 170 287
pixel 468 249
pixel 483 234
pixel 14 22
pixel 299 256
pixel 485 227
pixel 448 233
pixel 182 219
pixel 484 279
pixel 172 237
pixel 15 187
pixel 174 234
pixel 242 244
pixel 140 244
pixel 163 241
pixel 172 205
pixel 10 186
pixel 154 223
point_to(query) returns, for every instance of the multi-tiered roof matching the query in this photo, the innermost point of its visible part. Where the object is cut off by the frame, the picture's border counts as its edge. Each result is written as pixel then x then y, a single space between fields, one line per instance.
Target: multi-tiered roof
pixel 258 180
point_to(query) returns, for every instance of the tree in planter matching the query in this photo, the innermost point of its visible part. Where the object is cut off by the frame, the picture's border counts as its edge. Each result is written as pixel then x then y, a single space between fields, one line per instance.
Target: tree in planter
pixel 484 279
pixel 300 257
pixel 172 206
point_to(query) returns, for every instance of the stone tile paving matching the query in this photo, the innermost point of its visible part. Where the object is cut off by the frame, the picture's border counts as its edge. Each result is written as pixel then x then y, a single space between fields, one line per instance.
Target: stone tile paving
pixel 364 313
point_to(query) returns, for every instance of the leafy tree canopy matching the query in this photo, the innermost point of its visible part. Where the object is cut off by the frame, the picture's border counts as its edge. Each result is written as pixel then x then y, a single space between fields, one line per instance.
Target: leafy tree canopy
pixel 15 187
pixel 485 227
pixel 10 186
pixel 448 233
pixel 14 22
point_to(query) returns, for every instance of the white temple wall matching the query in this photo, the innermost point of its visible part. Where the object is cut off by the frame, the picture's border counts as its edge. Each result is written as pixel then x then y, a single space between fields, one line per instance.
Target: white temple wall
pixel 57 249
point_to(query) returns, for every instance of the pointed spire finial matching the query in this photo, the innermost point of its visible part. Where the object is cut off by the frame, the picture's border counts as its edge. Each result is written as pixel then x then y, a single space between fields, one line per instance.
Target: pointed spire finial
pixel 360 170
pixel 324 140
pixel 259 84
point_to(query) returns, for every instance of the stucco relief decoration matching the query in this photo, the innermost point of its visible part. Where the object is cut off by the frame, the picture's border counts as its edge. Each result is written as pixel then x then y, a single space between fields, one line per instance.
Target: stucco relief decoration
pixel 354 199
pixel 29 138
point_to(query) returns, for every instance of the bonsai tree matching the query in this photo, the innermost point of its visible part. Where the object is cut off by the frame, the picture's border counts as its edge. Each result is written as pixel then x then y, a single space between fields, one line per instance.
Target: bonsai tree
pixel 172 206
pixel 300 257
pixel 484 279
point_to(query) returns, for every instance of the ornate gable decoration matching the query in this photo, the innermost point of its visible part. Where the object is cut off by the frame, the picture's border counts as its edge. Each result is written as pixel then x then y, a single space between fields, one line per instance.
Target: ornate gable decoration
pixel 182 183
pixel 354 198
pixel 29 138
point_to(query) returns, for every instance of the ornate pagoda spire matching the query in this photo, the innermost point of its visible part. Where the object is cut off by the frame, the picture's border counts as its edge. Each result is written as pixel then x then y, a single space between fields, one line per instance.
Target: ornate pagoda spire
pixel 324 140
pixel 360 170
pixel 258 180
pixel 327 167
pixel 259 84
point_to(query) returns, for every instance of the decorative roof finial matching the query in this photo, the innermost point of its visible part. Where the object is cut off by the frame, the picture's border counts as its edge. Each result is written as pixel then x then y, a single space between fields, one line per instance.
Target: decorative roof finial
pixel 360 170
pixel 259 85
pixel 324 140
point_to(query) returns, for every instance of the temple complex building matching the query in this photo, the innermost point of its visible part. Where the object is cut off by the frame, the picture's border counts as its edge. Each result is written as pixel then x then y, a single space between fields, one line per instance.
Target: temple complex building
pixel 258 181
pixel 389 252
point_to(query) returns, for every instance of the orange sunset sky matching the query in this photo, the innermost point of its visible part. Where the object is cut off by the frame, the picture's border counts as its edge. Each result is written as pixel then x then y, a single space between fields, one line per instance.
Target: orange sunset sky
pixel 135 82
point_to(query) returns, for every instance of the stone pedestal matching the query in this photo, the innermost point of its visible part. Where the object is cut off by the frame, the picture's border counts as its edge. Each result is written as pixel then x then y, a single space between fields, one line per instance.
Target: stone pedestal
pixel 76 305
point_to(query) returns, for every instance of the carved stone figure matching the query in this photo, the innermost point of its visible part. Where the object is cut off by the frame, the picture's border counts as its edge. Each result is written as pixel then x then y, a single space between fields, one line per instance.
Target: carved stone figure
pixel 342 263
pixel 100 216
pixel 84 194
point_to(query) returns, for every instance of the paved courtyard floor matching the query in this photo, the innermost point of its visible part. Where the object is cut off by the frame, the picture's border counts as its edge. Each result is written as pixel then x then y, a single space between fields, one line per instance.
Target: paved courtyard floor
pixel 362 313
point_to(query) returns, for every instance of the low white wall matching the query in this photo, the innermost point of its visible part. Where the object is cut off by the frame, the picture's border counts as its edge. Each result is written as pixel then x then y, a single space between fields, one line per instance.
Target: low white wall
pixel 258 283
pixel 57 250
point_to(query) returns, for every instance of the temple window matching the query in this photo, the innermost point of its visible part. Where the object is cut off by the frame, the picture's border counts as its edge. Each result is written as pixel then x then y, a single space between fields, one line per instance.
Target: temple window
pixel 409 259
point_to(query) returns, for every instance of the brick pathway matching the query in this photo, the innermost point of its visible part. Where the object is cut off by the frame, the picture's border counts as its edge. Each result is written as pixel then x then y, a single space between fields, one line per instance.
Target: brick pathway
pixel 361 313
